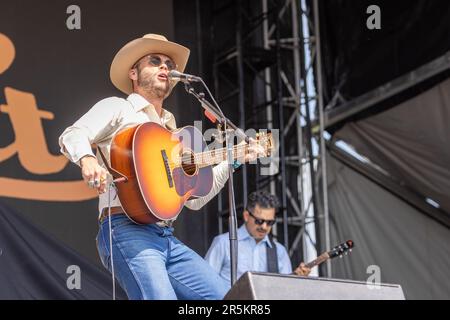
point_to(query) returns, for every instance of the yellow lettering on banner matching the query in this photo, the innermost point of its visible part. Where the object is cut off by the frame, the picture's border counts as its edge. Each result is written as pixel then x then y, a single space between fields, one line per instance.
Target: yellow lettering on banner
pixel 7 53
pixel 30 139
pixel 31 147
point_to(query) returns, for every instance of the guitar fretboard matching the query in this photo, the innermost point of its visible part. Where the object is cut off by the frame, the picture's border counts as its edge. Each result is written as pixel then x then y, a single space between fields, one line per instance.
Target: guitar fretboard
pixel 215 156
pixel 320 259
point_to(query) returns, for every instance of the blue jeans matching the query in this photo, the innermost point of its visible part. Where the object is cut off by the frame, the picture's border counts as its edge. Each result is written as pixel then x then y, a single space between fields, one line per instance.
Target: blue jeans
pixel 150 263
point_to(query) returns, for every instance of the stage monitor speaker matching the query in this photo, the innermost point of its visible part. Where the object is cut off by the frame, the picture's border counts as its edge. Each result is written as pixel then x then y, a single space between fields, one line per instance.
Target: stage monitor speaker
pixel 267 286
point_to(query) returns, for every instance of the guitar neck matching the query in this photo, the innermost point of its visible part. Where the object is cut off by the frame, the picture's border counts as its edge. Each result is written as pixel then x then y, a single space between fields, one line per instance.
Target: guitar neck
pixel 320 259
pixel 212 157
pixel 337 251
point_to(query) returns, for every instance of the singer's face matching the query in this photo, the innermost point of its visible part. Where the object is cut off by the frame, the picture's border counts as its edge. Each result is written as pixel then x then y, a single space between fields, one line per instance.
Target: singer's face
pixel 253 223
pixel 151 72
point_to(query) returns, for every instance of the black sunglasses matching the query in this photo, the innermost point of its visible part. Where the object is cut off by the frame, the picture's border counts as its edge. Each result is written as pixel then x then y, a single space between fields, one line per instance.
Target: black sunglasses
pixel 157 61
pixel 260 222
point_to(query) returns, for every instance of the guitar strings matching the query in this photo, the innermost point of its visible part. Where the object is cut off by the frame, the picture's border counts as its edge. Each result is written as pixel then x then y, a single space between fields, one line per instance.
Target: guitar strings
pixel 208 155
pixel 204 158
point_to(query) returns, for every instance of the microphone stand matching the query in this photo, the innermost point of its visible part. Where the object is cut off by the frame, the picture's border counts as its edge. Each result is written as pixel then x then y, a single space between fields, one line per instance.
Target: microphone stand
pixel 216 112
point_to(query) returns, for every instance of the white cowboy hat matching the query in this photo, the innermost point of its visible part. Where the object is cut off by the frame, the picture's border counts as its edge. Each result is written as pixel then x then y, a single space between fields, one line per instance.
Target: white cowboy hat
pixel 136 49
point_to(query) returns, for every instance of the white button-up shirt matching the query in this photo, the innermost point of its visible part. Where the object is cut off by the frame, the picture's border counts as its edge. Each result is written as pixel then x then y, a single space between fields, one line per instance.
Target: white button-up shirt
pixel 99 126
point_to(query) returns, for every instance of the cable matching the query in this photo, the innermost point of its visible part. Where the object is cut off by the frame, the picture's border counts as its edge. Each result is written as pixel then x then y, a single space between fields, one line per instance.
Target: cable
pixel 110 243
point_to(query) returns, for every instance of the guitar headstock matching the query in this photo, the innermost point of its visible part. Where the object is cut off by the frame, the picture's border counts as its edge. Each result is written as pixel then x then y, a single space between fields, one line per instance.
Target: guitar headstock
pixel 265 140
pixel 343 248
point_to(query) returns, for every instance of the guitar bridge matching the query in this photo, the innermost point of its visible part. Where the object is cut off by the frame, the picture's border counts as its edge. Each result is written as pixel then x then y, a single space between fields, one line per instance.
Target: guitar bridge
pixel 166 165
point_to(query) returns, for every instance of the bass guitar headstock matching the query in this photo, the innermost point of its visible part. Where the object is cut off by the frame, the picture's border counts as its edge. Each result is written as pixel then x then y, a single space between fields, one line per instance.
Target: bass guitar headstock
pixel 340 250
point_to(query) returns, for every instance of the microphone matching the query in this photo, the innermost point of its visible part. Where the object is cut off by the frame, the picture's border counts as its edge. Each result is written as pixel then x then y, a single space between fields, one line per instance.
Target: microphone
pixel 184 77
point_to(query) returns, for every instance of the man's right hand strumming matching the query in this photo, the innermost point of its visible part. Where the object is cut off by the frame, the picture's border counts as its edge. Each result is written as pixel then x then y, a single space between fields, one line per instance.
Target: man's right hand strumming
pixel 93 174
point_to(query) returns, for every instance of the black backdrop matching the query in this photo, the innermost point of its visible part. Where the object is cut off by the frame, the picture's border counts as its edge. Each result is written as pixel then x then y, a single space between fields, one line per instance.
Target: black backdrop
pixel 67 71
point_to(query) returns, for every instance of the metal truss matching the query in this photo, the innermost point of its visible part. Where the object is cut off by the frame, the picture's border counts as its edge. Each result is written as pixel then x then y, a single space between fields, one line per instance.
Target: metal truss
pixel 265 71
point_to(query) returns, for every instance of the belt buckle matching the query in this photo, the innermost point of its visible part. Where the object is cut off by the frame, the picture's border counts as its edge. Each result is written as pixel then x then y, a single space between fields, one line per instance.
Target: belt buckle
pixel 165 223
pixel 105 214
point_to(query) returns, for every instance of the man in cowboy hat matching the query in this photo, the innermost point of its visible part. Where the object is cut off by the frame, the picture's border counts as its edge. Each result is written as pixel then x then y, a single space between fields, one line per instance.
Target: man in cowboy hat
pixel 148 261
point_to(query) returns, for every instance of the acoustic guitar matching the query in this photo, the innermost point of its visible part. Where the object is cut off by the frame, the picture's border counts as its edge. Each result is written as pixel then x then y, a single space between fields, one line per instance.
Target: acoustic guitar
pixel 160 170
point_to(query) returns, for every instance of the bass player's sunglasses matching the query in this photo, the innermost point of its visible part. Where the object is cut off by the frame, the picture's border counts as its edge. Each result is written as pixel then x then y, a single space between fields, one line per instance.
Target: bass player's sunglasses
pixel 260 221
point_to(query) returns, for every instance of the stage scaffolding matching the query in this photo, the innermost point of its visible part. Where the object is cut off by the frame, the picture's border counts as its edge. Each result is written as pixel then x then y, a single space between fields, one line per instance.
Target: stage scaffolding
pixel 264 68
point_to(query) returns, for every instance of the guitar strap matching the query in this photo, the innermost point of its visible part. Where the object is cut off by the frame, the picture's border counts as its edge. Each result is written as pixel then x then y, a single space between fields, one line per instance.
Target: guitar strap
pixel 272 257
pixel 114 173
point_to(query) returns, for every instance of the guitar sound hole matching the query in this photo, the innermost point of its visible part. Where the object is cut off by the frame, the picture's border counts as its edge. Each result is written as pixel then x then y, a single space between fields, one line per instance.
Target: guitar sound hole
pixel 188 164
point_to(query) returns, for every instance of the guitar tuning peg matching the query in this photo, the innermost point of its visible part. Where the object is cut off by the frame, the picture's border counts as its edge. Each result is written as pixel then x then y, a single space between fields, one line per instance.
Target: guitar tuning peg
pixel 350 250
pixel 346 253
pixel 340 256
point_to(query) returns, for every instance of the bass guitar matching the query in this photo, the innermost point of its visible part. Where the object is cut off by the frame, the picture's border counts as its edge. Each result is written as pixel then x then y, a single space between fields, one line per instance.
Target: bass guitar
pixel 338 251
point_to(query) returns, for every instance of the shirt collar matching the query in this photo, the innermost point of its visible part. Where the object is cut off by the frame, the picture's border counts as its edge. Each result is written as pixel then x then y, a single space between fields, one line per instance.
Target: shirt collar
pixel 139 102
pixel 243 234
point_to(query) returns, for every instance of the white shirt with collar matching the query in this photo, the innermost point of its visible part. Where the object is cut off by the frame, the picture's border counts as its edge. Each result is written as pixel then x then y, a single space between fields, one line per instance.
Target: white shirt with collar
pixel 99 126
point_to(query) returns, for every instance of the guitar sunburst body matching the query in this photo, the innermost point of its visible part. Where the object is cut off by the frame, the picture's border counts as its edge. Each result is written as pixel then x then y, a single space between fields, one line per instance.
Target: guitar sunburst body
pixel 157 188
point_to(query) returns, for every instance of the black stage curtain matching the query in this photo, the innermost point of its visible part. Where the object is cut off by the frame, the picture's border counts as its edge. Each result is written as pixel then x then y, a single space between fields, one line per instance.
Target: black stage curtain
pixel 408 247
pixel 410 142
pixel 34 265
pixel 357 60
